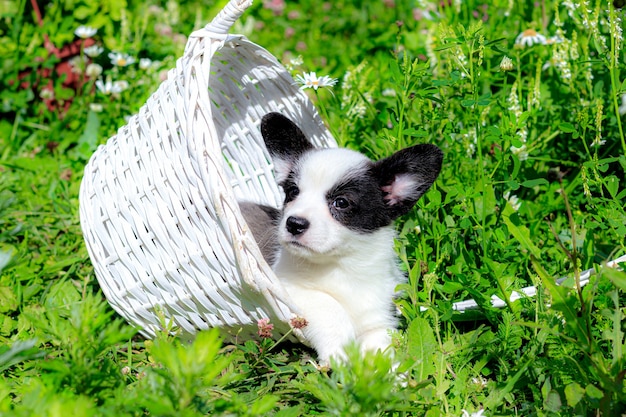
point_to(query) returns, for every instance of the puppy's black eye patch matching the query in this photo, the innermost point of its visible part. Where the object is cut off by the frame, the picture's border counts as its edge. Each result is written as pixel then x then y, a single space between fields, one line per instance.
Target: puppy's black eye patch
pixel 291 192
pixel 358 204
pixel 290 188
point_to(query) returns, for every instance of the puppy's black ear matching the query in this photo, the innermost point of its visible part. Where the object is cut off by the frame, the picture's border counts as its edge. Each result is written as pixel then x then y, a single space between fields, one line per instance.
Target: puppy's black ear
pixel 284 141
pixel 406 175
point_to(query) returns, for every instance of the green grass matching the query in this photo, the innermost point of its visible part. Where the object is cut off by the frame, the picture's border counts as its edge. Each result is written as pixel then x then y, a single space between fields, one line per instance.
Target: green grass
pixel 532 189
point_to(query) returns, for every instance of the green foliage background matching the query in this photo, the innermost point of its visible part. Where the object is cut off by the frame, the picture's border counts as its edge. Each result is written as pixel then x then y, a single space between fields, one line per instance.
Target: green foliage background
pixel 532 189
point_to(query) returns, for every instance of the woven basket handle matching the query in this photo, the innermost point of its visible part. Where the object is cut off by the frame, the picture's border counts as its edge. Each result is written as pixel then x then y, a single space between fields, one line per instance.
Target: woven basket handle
pixel 227 16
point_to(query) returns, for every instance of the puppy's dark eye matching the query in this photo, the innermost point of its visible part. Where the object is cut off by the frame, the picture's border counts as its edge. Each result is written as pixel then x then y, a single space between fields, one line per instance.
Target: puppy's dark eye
pixel 341 203
pixel 291 192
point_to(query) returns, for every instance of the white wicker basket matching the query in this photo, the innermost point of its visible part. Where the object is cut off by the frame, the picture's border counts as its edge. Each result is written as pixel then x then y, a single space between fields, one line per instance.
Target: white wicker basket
pixel 158 202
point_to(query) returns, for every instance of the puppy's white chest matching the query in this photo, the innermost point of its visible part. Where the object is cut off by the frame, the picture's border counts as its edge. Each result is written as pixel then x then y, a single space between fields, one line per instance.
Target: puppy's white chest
pixel 364 294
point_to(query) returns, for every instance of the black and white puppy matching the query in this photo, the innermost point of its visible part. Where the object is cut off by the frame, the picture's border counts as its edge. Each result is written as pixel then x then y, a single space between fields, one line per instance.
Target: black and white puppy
pixel 332 244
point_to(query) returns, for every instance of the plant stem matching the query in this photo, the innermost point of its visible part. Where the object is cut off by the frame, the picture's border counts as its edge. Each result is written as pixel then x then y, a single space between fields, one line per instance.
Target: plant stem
pixel 573 254
pixel 479 146
pixel 614 75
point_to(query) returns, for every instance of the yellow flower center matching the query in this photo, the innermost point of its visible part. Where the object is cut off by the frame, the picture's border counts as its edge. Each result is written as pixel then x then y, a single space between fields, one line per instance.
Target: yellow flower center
pixel 529 33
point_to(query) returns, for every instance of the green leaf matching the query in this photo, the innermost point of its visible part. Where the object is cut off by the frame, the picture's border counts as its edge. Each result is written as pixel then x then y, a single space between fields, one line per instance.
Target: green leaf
pixel 7 325
pixel 552 401
pixel 263 405
pixel 18 352
pixel 396 72
pixel 594 392
pixel 512 185
pixel 82 12
pixel 562 301
pixel 62 295
pixel 450 287
pixel 567 127
pixel 8 300
pixel 535 182
pixel 88 141
pixel 496 396
pixel 618 278
pixel 612 185
pixel 456 75
pixel 5 258
pixel 422 346
pixel 445 47
pixel 484 100
pixel 517 164
pixel 573 394
pixel 441 83
pixel 415 133
pixel 522 235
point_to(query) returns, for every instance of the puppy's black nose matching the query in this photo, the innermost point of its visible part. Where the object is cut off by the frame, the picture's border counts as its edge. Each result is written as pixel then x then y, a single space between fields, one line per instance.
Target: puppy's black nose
pixel 297 225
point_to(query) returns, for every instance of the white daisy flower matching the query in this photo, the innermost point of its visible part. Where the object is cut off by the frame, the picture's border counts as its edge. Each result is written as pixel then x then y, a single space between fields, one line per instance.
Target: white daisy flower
pixel 93 51
pixel 105 88
pixel 144 63
pixel 109 87
pixel 311 80
pixel 46 93
pixel 77 63
pixel 93 70
pixel 121 60
pixel 529 37
pixel 85 32
pixel 121 85
pixel 96 107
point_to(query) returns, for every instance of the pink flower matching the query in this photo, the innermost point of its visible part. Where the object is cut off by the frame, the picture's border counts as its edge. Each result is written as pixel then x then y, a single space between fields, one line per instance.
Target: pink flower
pixel 265 328
pixel 298 322
pixel 277 6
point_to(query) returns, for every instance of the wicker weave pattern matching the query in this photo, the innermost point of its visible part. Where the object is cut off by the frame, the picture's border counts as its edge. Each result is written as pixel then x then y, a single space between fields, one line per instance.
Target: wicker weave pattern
pixel 158 202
